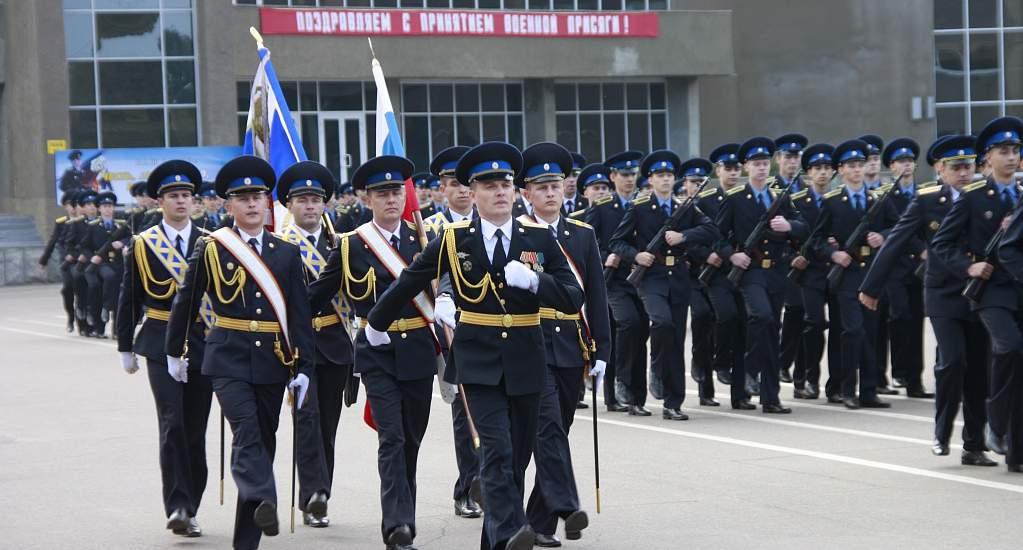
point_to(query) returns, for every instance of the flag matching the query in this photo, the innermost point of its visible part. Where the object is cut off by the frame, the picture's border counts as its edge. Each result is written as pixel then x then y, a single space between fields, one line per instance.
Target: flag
pixel 389 140
pixel 270 132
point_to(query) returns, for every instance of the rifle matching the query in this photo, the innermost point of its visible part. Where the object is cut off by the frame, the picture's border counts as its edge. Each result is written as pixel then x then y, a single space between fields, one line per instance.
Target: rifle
pixel 762 227
pixel 975 287
pixel 860 232
pixel 638 271
pixel 796 275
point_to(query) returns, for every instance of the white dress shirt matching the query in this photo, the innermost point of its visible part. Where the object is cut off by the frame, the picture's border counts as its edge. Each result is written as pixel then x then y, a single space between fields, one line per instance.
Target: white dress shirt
pixel 259 239
pixel 173 234
pixel 456 217
pixel 388 234
pixel 489 239
pixel 315 234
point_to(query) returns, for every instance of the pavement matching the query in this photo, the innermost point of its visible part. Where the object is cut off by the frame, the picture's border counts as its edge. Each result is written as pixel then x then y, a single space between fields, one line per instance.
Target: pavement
pixel 78 468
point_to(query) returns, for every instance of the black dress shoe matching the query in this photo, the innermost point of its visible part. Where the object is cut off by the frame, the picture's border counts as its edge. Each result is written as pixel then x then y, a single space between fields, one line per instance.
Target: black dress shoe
pixel 476 493
pixel 575 523
pixel 874 403
pixel 939 448
pixel 851 403
pixel 920 393
pixel 709 402
pixel 801 393
pixel 317 505
pixel 885 390
pixel 743 405
pixel 192 531
pixel 724 377
pixel 617 408
pixel 813 388
pixel 400 535
pixel 547 541
pixel 582 405
pixel 899 383
pixel 975 458
pixel 775 408
pixel 467 508
pixel 1014 468
pixel 265 517
pixel 784 376
pixel 311 520
pixel 835 399
pixel 523 539
pixel 674 414
pixel 994 443
pixel 638 410
pixel 178 521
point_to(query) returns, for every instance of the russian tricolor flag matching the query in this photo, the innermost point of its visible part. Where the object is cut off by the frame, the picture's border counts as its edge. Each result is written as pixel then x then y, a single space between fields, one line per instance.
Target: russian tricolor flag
pixel 389 139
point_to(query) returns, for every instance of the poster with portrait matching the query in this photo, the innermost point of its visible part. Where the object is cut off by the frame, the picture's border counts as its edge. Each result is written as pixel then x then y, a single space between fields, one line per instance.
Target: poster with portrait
pixel 116 169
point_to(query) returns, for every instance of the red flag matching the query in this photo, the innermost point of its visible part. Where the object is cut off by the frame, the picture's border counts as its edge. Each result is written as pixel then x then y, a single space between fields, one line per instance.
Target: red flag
pixel 411 202
pixel 367 416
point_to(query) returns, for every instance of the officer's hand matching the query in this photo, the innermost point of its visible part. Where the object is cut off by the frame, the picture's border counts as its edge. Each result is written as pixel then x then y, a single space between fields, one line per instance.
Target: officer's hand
pixel 81 258
pixel 714 259
pixel 645 259
pixel 673 237
pixel 117 245
pixel 299 385
pixel 875 240
pixel 868 301
pixel 980 270
pixel 841 258
pixel 597 372
pixel 800 263
pixel 96 260
pixel 129 362
pixel 519 276
pixel 780 225
pixel 740 260
pixel 612 260
pixel 833 242
pixel 177 368
pixel 69 258
pixel 376 337
pixel 444 308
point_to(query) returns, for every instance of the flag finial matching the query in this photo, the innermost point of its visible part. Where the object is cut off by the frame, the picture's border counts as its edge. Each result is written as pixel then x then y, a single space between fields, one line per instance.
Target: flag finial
pixel 258 37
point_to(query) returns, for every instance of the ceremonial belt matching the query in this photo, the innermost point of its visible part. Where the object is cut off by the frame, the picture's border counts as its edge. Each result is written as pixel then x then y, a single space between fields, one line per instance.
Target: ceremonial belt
pixel 324 321
pixel 171 260
pixel 158 314
pixel 312 259
pixel 506 320
pixel 401 325
pixel 395 264
pixel 245 325
pixel 553 314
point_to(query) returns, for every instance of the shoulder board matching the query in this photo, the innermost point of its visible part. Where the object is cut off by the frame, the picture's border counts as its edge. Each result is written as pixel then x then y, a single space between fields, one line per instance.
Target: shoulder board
pixel 95 222
pixel 925 185
pixel 343 210
pixel 574 221
pixel 196 216
pixel 527 223
pixel 603 200
pixel 154 210
pixel 76 219
pixel 798 195
pixel 642 200
pixel 974 186
pixel 931 189
pixel 834 193
pixel 708 193
pixel 883 188
pixel 410 225
pixel 119 222
pixel 61 219
pixel 458 225
pixel 576 214
pixel 734 190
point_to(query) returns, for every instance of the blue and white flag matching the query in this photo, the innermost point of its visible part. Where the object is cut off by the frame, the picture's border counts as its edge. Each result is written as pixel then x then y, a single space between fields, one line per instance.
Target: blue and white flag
pixel 389 139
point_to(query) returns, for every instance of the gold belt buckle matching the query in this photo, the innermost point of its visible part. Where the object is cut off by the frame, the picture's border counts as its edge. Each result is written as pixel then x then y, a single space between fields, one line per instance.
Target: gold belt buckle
pixel 253 326
pixel 669 261
pixel 559 315
pixel 765 264
pixel 402 325
pixel 506 320
pixel 864 251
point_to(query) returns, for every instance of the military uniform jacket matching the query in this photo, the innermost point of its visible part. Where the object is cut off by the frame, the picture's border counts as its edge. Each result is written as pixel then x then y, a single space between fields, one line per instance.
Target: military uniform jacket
pixel 132 221
pixel 76 235
pixel 333 345
pixel 738 217
pixel 56 237
pixel 964 234
pixel 355 216
pixel 943 287
pixel 243 355
pixel 604 215
pixel 141 292
pixel 428 210
pixel 562 336
pixel 488 355
pixel 902 272
pixel 579 202
pixel 97 235
pixel 354 270
pixel 838 220
pixel 815 275
pixel 668 276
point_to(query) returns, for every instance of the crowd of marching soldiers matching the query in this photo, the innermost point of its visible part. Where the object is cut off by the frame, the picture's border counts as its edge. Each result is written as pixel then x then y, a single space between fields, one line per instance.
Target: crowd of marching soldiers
pixel 547 271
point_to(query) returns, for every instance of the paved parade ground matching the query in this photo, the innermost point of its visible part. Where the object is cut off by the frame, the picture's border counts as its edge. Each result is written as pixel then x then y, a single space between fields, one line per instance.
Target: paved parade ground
pixel 78 449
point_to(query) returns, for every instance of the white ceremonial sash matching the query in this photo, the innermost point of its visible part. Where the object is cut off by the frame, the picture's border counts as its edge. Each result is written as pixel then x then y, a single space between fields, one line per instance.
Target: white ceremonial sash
pixel 394 264
pixel 260 273
pixel 171 260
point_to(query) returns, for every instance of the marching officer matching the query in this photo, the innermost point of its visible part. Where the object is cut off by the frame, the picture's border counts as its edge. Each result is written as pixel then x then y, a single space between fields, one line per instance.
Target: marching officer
pixel 961 372
pixel 632 326
pixel 427 182
pixel 762 283
pixel 665 288
pixel 104 275
pixel 576 345
pixel 261 337
pixel 154 271
pixel 789 150
pixel 56 242
pixel 303 189
pixel 574 200
pixel 981 211
pixel 78 238
pixel 501 271
pixel 210 219
pixel 811 276
pixel 842 212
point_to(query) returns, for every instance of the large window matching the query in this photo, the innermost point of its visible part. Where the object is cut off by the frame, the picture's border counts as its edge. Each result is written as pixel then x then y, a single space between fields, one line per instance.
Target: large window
pixel 547 5
pixel 437 115
pixel 131 73
pixel 599 119
pixel 978 57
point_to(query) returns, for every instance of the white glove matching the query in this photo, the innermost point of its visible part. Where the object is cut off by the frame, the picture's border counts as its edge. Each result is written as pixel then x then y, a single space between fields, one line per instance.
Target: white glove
pixel 376 337
pixel 177 368
pixel 299 385
pixel 444 309
pixel 129 363
pixel 519 276
pixel 597 372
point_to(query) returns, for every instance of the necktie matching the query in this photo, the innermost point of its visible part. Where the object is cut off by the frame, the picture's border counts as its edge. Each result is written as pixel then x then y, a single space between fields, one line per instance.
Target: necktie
pixel 254 243
pixel 1007 199
pixel 499 258
pixel 568 206
pixel 178 245
pixel 856 202
pixel 554 231
pixel 394 241
pixel 312 239
pixel 765 199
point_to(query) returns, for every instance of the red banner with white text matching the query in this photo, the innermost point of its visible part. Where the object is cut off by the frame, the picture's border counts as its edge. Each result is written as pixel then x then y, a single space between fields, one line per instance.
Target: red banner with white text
pixel 398 22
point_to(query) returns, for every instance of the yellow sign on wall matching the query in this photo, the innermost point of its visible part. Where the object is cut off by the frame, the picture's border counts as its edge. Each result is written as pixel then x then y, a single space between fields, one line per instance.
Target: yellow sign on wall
pixel 54 145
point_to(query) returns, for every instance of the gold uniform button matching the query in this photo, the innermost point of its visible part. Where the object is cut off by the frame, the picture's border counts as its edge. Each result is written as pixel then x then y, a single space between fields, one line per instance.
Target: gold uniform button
pixel 404 335
pixel 500 285
pixel 669 272
pixel 504 335
pixel 258 343
pixel 559 315
pixel 502 301
pixel 258 311
pixel 402 326
pixel 253 325
pixel 506 321
pixel 557 329
pixel 259 294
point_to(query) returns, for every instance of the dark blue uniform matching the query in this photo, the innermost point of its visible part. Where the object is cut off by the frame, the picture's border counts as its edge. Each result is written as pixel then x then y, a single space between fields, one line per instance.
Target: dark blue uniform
pixel 813 288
